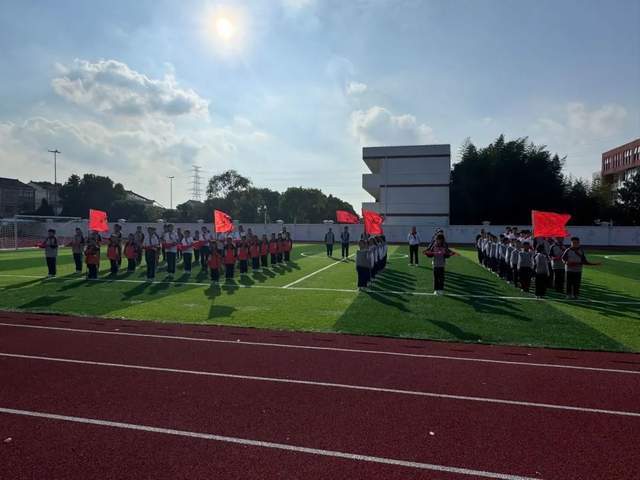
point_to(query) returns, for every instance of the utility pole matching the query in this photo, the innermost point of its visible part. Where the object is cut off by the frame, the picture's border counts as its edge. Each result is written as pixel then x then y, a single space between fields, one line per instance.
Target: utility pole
pixel 196 191
pixel 55 152
pixel 171 192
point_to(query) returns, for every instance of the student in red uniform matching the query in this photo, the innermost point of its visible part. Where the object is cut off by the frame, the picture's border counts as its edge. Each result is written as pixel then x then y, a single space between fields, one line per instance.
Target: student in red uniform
pixel 92 258
pixel 254 251
pixel 214 263
pixel 243 256
pixel 264 251
pixel 273 249
pixel 131 252
pixel 113 253
pixel 288 246
pixel 229 258
pixel 280 255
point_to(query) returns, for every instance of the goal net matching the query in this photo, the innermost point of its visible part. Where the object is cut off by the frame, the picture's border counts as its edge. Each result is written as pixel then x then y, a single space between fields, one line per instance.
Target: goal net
pixel 27 231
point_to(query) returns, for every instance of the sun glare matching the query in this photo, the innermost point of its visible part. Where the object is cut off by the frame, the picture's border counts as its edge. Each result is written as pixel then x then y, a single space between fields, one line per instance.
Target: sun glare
pixel 225 28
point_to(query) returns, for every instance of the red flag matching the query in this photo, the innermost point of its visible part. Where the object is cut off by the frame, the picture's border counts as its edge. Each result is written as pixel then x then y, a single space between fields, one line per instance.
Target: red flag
pixel 222 222
pixel 342 216
pixel 372 222
pixel 98 221
pixel 549 224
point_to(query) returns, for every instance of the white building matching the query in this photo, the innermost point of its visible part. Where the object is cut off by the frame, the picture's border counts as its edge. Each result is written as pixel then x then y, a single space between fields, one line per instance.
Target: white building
pixel 410 184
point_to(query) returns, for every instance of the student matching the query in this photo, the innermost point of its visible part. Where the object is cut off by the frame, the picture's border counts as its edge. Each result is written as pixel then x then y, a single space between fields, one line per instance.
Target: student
pixel 502 257
pixel 414 244
pixel 113 254
pixel 139 240
pixel 574 258
pixel 151 246
pixel 229 258
pixel 50 246
pixel 329 240
pixel 131 253
pixel 507 260
pixel 92 258
pixel 513 261
pixel 525 264
pixel 288 246
pixel 264 251
pixel 439 252
pixel 197 244
pixel 363 265
pixel 478 244
pixel 280 254
pixel 373 258
pixel 187 251
pixel 541 269
pixel 205 249
pixel 254 253
pixel 214 263
pixel 557 265
pixel 170 243
pixel 243 256
pixel 77 249
pixel 344 242
pixel 273 249
pixel 117 236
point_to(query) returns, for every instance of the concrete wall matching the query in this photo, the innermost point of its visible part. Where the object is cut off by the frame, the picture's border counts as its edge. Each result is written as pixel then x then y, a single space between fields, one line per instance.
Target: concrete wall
pixel 457 234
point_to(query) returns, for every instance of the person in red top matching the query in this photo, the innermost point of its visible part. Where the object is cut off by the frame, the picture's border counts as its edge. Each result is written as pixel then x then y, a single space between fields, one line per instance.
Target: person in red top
pixel 280 254
pixel 254 251
pixel 92 258
pixel 264 251
pixel 243 256
pixel 273 249
pixel 214 263
pixel 113 253
pixel 288 246
pixel 229 258
pixel 131 252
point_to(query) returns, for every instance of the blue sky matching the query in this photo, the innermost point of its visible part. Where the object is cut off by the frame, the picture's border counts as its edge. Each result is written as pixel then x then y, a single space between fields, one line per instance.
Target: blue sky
pixel 142 90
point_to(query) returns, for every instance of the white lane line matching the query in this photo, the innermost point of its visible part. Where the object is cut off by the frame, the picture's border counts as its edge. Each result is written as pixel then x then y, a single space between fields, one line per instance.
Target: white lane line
pixel 263 444
pixel 329 385
pixel 311 347
pixel 339 290
pixel 295 282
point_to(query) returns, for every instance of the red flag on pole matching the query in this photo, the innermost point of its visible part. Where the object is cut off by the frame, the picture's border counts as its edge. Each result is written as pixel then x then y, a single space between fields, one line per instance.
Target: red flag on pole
pixel 342 216
pixel 549 224
pixel 98 221
pixel 222 222
pixel 372 222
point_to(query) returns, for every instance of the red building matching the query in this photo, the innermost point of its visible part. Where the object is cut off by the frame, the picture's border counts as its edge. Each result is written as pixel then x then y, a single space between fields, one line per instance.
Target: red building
pixel 620 163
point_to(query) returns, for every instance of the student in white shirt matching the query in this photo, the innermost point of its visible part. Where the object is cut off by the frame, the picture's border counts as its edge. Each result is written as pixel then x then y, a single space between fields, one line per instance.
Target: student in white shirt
pixel 414 245
pixel 187 251
pixel 170 240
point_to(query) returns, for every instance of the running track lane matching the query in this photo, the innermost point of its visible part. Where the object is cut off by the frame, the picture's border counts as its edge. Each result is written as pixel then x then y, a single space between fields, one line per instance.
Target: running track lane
pixel 580 388
pixel 498 438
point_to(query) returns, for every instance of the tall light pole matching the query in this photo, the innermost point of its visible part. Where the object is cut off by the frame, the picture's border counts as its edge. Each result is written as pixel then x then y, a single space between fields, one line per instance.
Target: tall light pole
pixel 171 192
pixel 55 152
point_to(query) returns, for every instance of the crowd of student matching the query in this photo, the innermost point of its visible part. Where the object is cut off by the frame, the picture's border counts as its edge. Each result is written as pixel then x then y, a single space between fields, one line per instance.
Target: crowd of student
pixel 519 258
pixel 210 251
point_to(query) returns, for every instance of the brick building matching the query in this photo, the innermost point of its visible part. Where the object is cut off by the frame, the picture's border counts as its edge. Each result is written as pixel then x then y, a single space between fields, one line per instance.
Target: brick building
pixel 620 163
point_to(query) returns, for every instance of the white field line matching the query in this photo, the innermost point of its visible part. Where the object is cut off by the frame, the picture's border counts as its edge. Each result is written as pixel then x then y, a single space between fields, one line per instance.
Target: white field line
pixel 330 385
pixel 323 289
pixel 262 444
pixel 239 342
pixel 295 282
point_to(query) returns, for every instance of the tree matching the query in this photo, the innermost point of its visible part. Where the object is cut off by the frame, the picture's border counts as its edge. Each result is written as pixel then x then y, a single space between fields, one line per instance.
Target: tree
pixel 78 195
pixel 303 205
pixel 629 199
pixel 220 186
pixel 44 209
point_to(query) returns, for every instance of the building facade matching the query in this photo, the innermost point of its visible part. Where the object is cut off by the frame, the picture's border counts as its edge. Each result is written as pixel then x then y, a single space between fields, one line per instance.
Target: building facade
pixel 409 184
pixel 15 197
pixel 49 192
pixel 620 163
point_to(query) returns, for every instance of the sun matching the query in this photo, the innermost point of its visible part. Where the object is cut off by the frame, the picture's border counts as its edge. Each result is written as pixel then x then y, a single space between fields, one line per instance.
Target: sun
pixel 225 28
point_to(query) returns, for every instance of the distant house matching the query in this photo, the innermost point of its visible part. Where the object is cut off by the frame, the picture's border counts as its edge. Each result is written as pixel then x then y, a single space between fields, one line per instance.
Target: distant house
pixel 15 197
pixel 49 192
pixel 134 197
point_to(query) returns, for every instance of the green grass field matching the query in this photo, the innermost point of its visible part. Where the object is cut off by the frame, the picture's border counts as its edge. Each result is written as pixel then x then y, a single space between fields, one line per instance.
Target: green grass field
pixel 478 307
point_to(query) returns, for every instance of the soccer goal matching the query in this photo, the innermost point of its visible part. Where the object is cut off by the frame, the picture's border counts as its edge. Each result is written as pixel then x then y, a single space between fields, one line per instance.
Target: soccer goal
pixel 26 231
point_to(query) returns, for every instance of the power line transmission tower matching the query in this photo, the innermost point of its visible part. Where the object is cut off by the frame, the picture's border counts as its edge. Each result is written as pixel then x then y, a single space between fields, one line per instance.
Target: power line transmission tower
pixel 196 188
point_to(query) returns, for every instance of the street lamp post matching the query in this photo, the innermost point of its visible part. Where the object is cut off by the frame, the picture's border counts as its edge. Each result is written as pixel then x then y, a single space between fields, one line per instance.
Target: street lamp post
pixel 171 192
pixel 55 152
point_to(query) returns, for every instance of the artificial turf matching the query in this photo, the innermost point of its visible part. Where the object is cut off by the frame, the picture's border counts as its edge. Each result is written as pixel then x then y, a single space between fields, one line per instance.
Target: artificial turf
pixel 399 304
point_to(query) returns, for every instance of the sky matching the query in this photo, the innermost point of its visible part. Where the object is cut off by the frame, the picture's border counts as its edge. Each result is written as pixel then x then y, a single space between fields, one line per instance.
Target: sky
pixel 288 92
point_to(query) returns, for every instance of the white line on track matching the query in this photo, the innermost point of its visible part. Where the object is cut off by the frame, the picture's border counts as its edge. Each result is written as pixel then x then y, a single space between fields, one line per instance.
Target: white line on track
pixel 311 347
pixel 262 444
pixel 372 291
pixel 295 282
pixel 329 385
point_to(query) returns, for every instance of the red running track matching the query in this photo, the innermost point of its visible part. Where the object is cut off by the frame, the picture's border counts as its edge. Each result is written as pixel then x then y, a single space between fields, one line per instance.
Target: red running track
pixel 533 439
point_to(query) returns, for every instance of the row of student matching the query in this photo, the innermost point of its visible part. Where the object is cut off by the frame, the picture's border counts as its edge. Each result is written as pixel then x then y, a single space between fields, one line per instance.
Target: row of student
pixel 371 259
pixel 548 261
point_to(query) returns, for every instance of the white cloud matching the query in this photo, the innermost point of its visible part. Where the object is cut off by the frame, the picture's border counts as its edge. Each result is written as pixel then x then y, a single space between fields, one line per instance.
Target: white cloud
pixel 603 121
pixel 297 4
pixel 112 87
pixel 356 88
pixel 378 126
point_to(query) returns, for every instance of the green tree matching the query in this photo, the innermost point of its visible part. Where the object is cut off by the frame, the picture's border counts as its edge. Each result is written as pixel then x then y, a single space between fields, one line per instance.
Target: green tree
pixel 220 186
pixel 78 195
pixel 629 200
